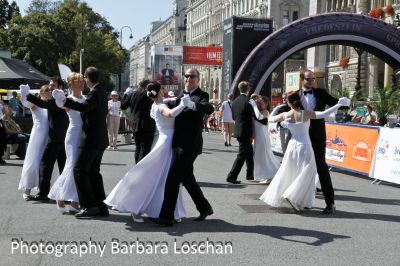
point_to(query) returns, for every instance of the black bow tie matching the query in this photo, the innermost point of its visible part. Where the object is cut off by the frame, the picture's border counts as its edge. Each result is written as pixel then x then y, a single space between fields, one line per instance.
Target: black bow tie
pixel 307 92
pixel 185 92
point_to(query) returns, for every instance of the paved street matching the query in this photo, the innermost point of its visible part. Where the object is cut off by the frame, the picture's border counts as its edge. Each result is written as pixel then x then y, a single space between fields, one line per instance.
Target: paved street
pixel 364 231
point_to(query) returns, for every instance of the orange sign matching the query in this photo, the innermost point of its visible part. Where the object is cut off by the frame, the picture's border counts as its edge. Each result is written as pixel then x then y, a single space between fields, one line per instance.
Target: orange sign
pixel 350 146
pixel 198 55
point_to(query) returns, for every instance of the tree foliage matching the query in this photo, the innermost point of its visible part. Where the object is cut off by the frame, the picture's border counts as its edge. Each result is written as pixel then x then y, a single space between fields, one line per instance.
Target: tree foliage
pixel 55 33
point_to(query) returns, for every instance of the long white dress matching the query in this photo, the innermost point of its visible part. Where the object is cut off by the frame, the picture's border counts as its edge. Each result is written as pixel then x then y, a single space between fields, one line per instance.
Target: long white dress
pixel 64 188
pixel 265 163
pixel 37 144
pixel 141 190
pixel 295 179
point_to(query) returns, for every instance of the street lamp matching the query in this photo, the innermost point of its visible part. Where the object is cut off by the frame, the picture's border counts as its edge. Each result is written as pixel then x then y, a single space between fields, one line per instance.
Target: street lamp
pixel 121 66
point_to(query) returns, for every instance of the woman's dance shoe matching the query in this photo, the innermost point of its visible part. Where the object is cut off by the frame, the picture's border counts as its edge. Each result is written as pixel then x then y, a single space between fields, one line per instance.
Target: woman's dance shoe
pixel 137 218
pixel 73 210
pixel 62 210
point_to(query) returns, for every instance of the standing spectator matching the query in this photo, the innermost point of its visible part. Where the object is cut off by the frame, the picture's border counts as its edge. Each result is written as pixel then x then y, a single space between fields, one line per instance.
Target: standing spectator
pixel 14 133
pixel 15 105
pixel 227 119
pixel 113 120
pixel 284 133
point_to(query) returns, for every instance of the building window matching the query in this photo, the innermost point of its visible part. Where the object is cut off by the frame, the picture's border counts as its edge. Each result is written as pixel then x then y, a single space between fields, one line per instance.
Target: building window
pixel 290 12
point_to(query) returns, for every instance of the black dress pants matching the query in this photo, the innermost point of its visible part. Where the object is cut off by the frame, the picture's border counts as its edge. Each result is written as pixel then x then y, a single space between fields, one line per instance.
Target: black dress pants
pixel 245 155
pixel 181 171
pixel 53 152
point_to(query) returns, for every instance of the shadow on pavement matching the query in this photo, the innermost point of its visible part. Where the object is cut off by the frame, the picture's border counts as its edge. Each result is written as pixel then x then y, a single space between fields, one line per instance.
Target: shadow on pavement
pixel 351 215
pixel 220 226
pixel 368 200
pixel 12 164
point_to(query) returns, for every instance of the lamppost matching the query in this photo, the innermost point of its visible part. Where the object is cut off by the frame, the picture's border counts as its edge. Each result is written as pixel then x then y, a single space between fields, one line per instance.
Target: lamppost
pixel 122 63
pixel 358 78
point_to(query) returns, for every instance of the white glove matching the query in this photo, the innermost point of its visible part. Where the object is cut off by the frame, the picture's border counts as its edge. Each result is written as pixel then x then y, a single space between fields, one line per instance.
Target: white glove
pixel 286 122
pixel 128 90
pixel 24 89
pixel 59 96
pixel 177 110
pixel 187 102
pixel 257 112
pixel 344 101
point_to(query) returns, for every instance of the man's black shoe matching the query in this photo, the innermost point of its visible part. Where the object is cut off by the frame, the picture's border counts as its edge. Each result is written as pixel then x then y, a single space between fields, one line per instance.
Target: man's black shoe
pixel 38 197
pixel 233 181
pixel 330 209
pixel 250 178
pixel 203 215
pixel 162 222
pixel 103 212
pixel 87 213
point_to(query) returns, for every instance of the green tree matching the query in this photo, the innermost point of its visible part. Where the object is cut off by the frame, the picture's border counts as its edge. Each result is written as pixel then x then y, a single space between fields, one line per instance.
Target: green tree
pixel 46 37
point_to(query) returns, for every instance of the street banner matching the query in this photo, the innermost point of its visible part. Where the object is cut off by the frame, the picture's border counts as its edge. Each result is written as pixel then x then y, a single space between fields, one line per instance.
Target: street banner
pixel 350 147
pixel 198 55
pixel 386 165
pixel 166 64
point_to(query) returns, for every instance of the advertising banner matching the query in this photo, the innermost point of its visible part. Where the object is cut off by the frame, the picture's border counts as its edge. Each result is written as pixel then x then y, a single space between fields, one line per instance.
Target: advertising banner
pixel 198 55
pixel 350 146
pixel 166 64
pixel 387 156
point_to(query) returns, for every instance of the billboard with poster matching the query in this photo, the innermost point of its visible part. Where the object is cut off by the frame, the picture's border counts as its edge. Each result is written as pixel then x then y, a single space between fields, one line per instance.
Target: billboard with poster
pixel 199 55
pixel 166 65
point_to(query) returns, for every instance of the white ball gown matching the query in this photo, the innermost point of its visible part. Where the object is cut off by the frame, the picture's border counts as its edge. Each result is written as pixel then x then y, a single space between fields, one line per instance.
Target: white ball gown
pixel 295 179
pixel 141 190
pixel 265 163
pixel 64 188
pixel 37 144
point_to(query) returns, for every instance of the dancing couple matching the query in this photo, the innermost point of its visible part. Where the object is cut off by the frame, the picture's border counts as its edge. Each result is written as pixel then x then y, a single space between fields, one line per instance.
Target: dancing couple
pixel 153 186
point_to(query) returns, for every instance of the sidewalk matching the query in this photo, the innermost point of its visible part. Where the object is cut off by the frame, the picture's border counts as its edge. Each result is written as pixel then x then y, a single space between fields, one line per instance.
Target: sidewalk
pixel 364 230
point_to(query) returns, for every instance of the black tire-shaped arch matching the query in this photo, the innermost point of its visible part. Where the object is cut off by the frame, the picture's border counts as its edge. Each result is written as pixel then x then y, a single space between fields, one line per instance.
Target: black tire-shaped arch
pixel 374 36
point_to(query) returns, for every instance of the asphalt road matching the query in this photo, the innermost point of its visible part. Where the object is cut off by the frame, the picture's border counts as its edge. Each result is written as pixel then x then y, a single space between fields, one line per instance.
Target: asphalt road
pixel 243 231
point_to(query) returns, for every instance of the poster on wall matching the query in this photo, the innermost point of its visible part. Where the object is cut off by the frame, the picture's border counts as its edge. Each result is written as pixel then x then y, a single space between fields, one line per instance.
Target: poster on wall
pixel 199 55
pixel 166 62
pixel 387 156
pixel 350 147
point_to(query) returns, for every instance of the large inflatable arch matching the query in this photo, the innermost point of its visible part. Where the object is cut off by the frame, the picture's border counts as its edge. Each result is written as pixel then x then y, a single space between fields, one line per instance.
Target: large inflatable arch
pixel 372 35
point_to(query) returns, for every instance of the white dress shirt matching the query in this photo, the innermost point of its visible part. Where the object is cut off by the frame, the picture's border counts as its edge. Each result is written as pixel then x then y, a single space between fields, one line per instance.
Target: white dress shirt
pixel 308 101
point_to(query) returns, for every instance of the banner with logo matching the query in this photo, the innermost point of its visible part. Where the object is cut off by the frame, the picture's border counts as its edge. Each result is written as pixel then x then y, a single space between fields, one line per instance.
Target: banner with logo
pixel 350 146
pixel 387 156
pixel 166 64
pixel 198 55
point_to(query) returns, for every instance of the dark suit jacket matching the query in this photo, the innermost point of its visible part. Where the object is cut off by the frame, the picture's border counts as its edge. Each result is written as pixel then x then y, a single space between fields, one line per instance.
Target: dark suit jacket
pixel 58 118
pixel 188 124
pixel 94 112
pixel 242 113
pixel 317 126
pixel 140 105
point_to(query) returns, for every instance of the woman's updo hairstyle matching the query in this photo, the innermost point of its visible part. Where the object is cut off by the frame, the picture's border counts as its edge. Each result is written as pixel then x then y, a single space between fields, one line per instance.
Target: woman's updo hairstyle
pixel 153 88
pixel 294 99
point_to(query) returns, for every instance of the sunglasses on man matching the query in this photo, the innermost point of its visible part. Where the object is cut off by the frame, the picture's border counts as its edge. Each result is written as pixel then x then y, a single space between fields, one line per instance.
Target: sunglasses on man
pixel 190 76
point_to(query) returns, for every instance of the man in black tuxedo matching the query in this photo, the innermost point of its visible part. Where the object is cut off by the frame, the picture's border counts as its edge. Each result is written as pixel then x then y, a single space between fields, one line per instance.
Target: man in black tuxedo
pixel 167 75
pixel 187 144
pixel 242 113
pixel 94 140
pixel 55 148
pixel 316 100
pixel 143 126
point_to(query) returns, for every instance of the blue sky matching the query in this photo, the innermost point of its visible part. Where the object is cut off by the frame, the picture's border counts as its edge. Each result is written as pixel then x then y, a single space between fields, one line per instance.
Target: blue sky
pixel 136 14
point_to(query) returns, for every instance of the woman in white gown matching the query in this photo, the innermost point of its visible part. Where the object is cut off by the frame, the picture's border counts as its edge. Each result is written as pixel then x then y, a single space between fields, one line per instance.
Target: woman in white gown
pixel 64 189
pixel 265 163
pixel 141 190
pixel 294 183
pixel 37 143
